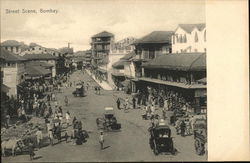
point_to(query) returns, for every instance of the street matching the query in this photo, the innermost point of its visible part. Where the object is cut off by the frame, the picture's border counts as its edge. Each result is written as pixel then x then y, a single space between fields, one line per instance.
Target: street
pixel 129 144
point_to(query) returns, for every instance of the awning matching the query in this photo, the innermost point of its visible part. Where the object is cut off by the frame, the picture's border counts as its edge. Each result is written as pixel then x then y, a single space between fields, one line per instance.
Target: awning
pixel 203 81
pixel 176 84
pixel 125 83
pixel 5 88
pixel 102 70
pixel 117 74
pixel 119 64
pixel 179 61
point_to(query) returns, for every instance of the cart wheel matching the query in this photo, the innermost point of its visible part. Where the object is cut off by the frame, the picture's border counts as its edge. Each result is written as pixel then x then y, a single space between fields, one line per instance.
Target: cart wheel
pixel 198 147
pixel 156 152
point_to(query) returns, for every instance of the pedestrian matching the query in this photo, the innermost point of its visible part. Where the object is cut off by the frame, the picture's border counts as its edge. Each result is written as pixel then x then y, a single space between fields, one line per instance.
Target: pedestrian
pixel 95 89
pixel 56 103
pixel 183 127
pixel 48 97
pixel 31 150
pixel 67 116
pixel 118 102
pixel 134 102
pixel 39 137
pixel 50 133
pixel 7 120
pixel 87 86
pixel 66 101
pixel 53 96
pixel 99 90
pixel 101 139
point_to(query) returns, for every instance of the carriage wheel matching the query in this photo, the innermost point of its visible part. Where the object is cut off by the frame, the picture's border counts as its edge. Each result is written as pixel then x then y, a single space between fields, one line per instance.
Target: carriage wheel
pixel 198 147
pixel 156 152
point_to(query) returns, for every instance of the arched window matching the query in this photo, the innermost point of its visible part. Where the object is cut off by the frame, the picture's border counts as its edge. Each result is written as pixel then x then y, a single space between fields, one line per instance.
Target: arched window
pixel 205 36
pixel 185 38
pixel 196 37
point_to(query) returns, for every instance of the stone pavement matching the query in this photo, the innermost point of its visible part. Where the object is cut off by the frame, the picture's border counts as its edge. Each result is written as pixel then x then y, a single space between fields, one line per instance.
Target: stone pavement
pixel 102 84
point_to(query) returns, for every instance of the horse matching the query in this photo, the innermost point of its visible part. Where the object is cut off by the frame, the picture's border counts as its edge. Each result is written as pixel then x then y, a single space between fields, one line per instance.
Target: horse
pixel 13 145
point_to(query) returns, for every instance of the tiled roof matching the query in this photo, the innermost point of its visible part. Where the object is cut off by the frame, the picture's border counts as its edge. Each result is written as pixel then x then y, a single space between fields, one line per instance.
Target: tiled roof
pixel 190 27
pixel 37 63
pixel 39 57
pixel 179 61
pixel 156 37
pixel 9 56
pixel 36 70
pixel 10 43
pixel 103 34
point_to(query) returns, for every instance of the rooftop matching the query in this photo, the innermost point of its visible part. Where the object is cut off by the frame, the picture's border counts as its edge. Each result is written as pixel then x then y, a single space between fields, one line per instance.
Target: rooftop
pixel 9 56
pixel 103 34
pixel 190 27
pixel 39 57
pixel 10 43
pixel 128 56
pixel 179 61
pixel 156 37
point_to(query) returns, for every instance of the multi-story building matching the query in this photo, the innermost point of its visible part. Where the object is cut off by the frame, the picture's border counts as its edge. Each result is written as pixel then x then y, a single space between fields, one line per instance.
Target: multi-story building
pixel 116 66
pixel 151 46
pixel 49 59
pixel 100 46
pixel 12 46
pixel 182 74
pixel 13 71
pixel 189 38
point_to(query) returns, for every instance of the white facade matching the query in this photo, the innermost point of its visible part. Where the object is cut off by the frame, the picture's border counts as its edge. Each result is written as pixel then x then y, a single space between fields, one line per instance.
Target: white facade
pixel 13 75
pixel 35 50
pixel 13 49
pixel 129 70
pixel 185 42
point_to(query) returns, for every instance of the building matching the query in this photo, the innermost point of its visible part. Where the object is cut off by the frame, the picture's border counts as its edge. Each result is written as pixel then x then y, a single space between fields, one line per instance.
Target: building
pixel 100 46
pixel 147 48
pixel 13 71
pixel 189 38
pixel 47 59
pixel 119 50
pixel 124 71
pixel 181 74
pixel 12 46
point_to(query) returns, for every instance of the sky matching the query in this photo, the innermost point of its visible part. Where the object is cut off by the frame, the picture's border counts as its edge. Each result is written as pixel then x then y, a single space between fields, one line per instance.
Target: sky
pixel 78 20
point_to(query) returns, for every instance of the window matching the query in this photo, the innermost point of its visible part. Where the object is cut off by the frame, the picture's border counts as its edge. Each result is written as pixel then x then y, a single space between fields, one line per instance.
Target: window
pixel 6 48
pixel 184 38
pixel 11 49
pixel 205 36
pixel 173 41
pixel 205 49
pixel 33 48
pixel 181 39
pixel 196 37
pixel 177 40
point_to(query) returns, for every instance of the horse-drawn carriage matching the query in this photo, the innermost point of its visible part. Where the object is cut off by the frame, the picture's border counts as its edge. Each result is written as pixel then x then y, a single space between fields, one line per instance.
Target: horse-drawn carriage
pixel 79 91
pixel 108 121
pixel 160 139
